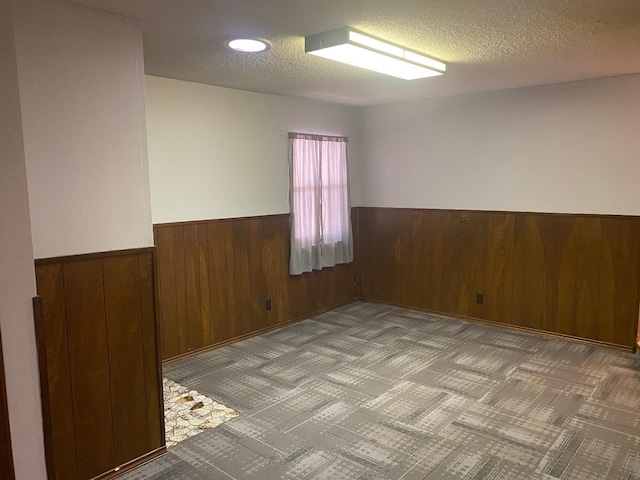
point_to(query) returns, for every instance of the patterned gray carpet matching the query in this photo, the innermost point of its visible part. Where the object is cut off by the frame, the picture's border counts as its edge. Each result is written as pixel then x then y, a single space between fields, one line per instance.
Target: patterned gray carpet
pixel 374 392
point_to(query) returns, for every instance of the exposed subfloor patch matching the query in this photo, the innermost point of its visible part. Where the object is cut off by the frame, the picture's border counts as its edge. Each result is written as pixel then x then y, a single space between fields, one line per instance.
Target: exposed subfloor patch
pixel 187 412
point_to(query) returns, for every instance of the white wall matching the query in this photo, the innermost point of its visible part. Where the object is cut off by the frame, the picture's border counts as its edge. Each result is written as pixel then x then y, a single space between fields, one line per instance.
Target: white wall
pixel 17 275
pixel 221 153
pixel 82 93
pixel 572 148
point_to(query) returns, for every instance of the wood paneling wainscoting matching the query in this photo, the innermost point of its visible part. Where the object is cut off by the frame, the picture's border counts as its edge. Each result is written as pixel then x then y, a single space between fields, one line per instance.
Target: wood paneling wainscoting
pixel 6 456
pixel 215 277
pixel 575 275
pixel 99 360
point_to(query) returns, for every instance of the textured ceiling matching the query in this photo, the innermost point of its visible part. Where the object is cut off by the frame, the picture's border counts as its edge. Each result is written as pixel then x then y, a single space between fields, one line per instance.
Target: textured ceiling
pixel 487 44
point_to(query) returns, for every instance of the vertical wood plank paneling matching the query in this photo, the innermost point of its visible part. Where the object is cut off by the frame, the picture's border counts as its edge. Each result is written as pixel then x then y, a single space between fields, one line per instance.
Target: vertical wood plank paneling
pixel 6 457
pixel 102 384
pixel 257 229
pixel 607 281
pixel 498 280
pixel 431 239
pixel 558 267
pixel 151 359
pixel 181 289
pixel 43 377
pixel 300 296
pixel 542 271
pixel 528 273
pixel 383 268
pixel 561 274
pixel 408 257
pixel 333 283
pixel 167 292
pixel 398 229
pixel 126 363
pixel 205 298
pixel 240 292
pixel 236 265
pixel 364 249
pixel 281 243
pixel 222 320
pixel 355 225
pixel 275 265
pixel 89 361
pixel 192 293
pixel 396 233
pixel 50 282
pixel 367 248
pixel 463 272
pixel 234 318
pixel 570 274
pixel 588 279
pixel 619 274
pixel 479 228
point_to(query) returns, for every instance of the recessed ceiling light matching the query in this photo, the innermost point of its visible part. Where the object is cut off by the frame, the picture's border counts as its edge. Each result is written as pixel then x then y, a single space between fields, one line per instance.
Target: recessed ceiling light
pixel 251 45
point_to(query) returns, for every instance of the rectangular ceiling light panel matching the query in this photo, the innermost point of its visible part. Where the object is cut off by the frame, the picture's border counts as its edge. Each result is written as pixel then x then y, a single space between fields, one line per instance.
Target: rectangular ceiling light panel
pixel 355 48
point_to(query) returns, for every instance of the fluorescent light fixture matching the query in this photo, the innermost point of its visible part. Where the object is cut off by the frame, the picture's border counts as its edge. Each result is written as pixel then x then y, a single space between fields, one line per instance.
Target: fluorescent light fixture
pixel 355 48
pixel 249 45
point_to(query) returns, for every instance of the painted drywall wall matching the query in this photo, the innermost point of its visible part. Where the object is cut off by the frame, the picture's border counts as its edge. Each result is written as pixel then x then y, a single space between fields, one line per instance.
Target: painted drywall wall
pixel 571 148
pixel 221 153
pixel 17 276
pixel 82 93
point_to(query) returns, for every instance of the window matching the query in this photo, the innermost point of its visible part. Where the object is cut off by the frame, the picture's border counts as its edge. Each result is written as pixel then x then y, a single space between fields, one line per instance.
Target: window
pixel 319 197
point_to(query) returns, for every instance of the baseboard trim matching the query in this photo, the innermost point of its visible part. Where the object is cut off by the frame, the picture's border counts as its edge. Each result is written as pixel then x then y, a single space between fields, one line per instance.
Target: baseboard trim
pixel 147 457
pixel 506 326
pixel 208 348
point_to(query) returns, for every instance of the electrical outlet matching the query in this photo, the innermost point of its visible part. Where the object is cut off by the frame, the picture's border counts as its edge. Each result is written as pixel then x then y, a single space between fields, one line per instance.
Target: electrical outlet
pixel 479 298
pixel 269 304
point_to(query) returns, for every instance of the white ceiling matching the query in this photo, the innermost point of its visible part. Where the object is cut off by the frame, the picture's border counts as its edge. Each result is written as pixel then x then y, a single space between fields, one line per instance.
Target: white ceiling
pixel 487 44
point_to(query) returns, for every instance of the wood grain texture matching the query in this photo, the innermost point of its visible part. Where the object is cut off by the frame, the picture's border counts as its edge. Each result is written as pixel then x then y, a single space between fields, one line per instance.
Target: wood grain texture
pixel 167 283
pixel 203 284
pixel 154 402
pixel 215 280
pixel 181 286
pixel 50 282
pixel 43 377
pixel 575 275
pixel 6 457
pixel 103 385
pixel 89 362
pixel 221 318
pixel 192 286
pixel 240 285
pixel 126 367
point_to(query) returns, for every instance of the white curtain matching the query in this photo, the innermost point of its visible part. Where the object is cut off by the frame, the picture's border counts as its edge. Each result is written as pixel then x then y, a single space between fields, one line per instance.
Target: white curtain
pixel 319 198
